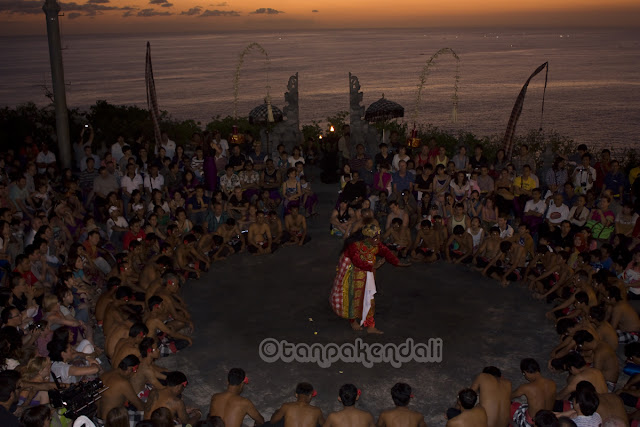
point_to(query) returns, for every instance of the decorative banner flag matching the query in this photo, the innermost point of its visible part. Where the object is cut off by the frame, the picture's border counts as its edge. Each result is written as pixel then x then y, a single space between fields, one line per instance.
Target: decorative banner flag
pixel 152 99
pixel 517 110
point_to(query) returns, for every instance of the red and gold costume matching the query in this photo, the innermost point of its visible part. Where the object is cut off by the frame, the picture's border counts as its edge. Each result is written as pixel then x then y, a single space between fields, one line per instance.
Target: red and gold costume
pixel 354 285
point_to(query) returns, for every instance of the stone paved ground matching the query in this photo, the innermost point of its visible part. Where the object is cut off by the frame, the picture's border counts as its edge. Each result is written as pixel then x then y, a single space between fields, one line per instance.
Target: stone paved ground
pixel 246 299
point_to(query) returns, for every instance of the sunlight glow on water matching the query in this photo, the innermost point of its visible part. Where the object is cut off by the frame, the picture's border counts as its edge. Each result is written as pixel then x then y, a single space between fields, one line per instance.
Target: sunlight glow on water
pixel 593 92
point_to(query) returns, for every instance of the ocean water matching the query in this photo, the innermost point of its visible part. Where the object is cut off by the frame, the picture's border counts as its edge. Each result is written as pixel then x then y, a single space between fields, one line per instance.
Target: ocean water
pixel 593 92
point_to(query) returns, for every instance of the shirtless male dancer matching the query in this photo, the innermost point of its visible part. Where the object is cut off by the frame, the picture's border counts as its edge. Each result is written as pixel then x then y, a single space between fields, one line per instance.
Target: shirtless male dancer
pixel 149 374
pixel 230 239
pixel 427 244
pixel 599 355
pixel 170 397
pixel 129 345
pixel 189 260
pixel 539 391
pixel 232 407
pixel 401 415
pixel 469 414
pixel 508 265
pixel 349 416
pixel 106 298
pixel 624 318
pixel 300 413
pixel 259 238
pixel 488 249
pixel 275 225
pixel 580 371
pixel 398 238
pixel 296 226
pixel 119 389
pixel 495 395
pixel 459 247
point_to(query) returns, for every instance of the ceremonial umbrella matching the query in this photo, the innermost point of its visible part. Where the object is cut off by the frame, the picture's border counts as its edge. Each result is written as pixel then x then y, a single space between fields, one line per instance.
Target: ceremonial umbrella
pixel 266 114
pixel 260 114
pixel 383 110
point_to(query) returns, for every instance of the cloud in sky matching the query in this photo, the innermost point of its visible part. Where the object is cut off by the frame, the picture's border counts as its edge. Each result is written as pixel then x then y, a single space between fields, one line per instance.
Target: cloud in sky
pixel 33 7
pixel 21 7
pixel 223 4
pixel 208 13
pixel 266 11
pixel 315 11
pixel 74 15
pixel 163 3
pixel 148 13
pixel 192 12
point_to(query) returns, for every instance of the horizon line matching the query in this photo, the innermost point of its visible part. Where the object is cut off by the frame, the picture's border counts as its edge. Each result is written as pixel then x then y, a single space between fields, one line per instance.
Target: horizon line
pixel 479 27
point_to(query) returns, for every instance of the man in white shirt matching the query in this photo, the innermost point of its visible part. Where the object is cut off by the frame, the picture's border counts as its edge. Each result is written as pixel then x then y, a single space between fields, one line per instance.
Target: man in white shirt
pixel 45 159
pixel 129 183
pixel 534 210
pixel 224 144
pixel 116 149
pixel 153 181
pixel 557 212
pixel 168 145
pixel 584 176
pixel 124 161
pixel 117 226
pixel 506 231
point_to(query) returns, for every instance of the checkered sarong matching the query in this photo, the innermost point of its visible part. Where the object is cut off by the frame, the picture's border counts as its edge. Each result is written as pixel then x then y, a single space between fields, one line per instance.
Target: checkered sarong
pixel 520 418
pixel 337 292
pixel 135 417
pixel 167 347
pixel 627 337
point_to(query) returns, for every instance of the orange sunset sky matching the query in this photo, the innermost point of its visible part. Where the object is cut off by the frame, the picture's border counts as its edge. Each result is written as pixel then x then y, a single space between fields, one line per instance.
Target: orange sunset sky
pixel 107 16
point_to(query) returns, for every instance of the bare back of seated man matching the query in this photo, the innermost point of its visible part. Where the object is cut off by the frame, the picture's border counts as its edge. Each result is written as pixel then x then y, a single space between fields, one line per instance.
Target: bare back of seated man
pixel 539 391
pixel 118 332
pixel 106 298
pixel 189 259
pixel 495 396
pixel 580 371
pixel 232 407
pixel 401 415
pixel 349 416
pixel 470 414
pixel 119 387
pixel 623 316
pixel 129 345
pixel 300 413
pixel 153 271
pixel 170 397
pixel 148 373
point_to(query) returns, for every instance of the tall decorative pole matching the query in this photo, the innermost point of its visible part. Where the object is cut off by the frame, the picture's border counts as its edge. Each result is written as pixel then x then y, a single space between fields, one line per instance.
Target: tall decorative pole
pixel 52 9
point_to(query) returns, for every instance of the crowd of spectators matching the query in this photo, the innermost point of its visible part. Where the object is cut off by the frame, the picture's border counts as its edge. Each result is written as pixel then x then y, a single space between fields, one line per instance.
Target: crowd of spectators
pixel 569 233
pixel 93 257
pixel 101 250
